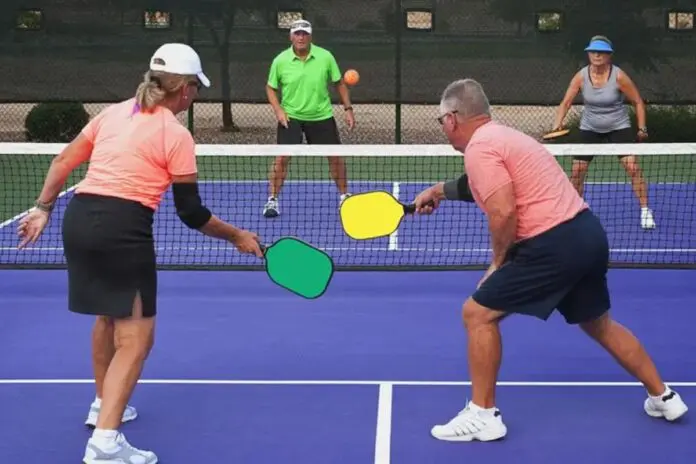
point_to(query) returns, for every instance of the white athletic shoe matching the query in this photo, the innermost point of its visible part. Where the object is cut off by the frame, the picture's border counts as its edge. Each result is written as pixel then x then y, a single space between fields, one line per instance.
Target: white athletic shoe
pixel 472 423
pixel 646 219
pixel 344 196
pixel 669 406
pixel 119 452
pixel 271 209
pixel 129 414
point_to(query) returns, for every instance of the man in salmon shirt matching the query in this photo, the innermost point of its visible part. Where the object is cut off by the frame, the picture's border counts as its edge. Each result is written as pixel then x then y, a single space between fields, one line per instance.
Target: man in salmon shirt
pixel 549 252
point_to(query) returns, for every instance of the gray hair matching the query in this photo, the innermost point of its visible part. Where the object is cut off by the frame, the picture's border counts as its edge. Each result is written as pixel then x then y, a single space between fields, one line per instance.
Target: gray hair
pixel 466 97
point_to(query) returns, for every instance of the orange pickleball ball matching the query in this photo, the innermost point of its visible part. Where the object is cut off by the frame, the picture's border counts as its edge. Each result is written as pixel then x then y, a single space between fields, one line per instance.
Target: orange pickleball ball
pixel 351 77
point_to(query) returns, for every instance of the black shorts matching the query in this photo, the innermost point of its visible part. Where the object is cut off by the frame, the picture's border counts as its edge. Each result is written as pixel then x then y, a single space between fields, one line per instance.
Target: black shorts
pixel 564 268
pixel 110 255
pixel 316 132
pixel 627 135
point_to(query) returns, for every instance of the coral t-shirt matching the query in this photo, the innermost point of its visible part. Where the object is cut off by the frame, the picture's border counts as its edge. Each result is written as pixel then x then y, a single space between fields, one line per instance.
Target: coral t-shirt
pixel 136 154
pixel 498 155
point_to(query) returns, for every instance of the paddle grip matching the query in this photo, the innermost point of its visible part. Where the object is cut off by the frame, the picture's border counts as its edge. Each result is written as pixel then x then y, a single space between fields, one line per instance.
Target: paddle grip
pixel 410 209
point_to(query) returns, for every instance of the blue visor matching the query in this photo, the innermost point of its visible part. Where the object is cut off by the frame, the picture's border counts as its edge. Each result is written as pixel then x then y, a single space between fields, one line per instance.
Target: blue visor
pixel 599 46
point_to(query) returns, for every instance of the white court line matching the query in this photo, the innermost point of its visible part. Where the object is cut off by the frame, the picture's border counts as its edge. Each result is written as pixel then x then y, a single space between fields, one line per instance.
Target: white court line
pixel 24 213
pixel 394 236
pixel 384 419
pixel 472 251
pixel 331 383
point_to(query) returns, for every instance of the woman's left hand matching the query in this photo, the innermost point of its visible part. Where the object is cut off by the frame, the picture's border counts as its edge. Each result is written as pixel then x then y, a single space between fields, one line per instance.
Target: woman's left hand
pixel 31 226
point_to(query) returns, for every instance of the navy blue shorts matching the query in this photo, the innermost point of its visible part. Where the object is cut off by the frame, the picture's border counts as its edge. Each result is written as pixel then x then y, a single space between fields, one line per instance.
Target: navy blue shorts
pixel 564 268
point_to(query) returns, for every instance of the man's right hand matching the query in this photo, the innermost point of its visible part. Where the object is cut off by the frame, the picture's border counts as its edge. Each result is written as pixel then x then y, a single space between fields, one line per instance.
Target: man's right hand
pixel 282 118
pixel 429 199
pixel 247 242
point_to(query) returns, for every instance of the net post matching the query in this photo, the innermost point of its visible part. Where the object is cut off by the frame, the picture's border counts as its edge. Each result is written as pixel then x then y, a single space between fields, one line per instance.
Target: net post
pixel 398 19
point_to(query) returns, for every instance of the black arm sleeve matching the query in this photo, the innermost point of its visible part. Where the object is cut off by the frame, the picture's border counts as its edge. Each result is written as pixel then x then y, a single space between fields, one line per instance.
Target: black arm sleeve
pixel 188 205
pixel 459 189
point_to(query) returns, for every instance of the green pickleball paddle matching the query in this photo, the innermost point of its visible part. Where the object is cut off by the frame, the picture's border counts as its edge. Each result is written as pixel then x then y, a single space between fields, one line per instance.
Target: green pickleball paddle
pixel 299 267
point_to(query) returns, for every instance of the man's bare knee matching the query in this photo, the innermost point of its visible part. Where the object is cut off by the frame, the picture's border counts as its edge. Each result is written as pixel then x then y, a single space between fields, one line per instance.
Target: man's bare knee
pixel 475 315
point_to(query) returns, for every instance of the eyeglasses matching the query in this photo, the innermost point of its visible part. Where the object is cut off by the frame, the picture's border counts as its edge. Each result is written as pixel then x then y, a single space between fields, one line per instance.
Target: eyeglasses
pixel 441 119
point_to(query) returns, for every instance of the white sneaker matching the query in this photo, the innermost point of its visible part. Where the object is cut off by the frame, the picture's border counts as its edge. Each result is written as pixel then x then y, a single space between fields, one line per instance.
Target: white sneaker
pixel 669 406
pixel 344 196
pixel 646 219
pixel 271 208
pixel 129 414
pixel 121 452
pixel 472 423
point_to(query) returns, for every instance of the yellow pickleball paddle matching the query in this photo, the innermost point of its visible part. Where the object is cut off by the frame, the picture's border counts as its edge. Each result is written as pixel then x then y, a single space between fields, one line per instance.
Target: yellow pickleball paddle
pixel 370 215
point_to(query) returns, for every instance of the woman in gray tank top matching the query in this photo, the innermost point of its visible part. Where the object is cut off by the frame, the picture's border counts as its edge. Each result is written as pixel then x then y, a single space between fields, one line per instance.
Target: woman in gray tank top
pixel 605 117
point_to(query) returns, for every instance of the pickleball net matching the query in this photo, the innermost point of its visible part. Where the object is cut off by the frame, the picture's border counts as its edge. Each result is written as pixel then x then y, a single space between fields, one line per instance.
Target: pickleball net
pixel 234 185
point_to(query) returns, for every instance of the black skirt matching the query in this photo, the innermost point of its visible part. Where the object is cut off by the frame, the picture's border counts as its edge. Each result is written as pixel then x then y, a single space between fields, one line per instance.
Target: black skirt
pixel 110 254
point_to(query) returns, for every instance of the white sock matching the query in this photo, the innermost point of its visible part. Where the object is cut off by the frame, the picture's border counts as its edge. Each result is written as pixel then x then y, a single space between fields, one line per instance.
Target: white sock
pixel 659 397
pixel 483 411
pixel 97 402
pixel 105 439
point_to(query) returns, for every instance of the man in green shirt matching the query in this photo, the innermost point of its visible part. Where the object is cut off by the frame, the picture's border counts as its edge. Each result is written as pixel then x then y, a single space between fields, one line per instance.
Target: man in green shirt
pixel 303 73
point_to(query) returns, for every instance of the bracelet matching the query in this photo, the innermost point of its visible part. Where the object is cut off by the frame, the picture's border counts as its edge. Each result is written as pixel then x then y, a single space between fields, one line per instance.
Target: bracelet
pixel 45 207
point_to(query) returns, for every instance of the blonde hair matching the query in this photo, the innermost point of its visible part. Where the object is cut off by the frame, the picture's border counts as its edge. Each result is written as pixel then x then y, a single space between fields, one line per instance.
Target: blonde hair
pixel 158 86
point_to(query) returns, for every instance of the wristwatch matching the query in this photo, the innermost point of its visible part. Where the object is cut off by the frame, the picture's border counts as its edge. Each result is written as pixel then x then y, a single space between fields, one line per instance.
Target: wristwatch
pixel 45 207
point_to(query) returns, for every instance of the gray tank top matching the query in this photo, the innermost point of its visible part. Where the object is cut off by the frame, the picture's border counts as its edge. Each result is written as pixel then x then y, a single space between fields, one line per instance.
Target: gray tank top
pixel 604 109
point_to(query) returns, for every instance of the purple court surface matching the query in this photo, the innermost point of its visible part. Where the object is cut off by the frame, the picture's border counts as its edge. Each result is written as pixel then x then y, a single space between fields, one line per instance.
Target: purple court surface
pixel 456 234
pixel 245 372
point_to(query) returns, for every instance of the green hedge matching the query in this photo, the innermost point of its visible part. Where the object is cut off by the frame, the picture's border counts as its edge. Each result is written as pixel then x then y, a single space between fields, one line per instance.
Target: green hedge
pixel 666 124
pixel 55 122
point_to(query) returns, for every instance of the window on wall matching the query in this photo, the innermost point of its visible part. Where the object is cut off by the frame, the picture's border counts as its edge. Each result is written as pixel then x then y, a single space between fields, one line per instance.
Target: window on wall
pixel 157 19
pixel 29 20
pixel 285 18
pixel 549 21
pixel 680 20
pixel 418 20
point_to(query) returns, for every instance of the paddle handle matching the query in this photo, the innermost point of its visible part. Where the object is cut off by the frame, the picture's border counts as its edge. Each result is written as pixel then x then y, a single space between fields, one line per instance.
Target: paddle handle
pixel 410 209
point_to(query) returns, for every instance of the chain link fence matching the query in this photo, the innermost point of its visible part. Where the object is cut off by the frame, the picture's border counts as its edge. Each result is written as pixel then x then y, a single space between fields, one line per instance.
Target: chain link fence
pixel 406 51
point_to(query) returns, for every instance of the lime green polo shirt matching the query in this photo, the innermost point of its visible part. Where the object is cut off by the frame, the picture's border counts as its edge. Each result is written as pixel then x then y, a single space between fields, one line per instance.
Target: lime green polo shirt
pixel 304 84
